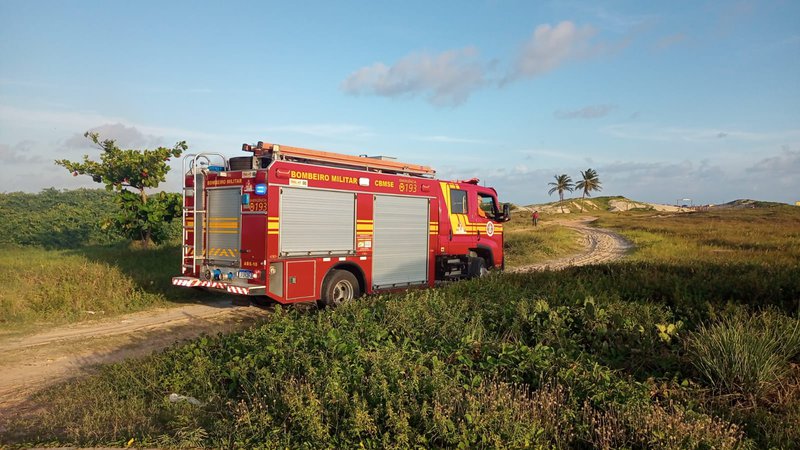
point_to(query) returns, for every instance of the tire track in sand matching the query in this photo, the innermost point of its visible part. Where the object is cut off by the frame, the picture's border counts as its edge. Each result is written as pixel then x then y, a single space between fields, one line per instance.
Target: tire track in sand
pixel 600 246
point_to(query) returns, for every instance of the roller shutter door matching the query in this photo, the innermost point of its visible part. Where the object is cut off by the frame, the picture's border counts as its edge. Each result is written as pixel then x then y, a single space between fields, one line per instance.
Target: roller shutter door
pixel 224 223
pixel 400 248
pixel 316 222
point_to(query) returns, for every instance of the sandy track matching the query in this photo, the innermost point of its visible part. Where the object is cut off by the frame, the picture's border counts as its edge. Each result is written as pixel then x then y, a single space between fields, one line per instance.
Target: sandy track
pixel 600 246
pixel 31 362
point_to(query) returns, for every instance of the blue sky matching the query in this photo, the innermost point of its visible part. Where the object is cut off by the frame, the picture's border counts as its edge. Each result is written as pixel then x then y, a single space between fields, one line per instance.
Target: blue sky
pixel 666 100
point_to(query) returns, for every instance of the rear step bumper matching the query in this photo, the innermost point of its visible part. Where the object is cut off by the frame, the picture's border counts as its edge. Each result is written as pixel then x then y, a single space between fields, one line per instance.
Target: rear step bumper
pixel 219 285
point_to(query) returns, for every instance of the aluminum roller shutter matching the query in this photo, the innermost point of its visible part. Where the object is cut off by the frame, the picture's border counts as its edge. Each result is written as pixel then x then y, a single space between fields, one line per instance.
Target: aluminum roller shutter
pixel 224 224
pixel 316 222
pixel 400 248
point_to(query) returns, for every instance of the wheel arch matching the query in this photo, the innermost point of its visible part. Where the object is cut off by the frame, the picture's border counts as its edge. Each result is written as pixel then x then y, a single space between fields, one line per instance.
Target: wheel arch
pixel 485 252
pixel 357 272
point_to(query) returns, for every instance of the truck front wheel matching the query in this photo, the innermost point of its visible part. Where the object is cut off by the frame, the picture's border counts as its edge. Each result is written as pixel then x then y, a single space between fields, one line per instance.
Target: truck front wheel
pixel 477 267
pixel 340 286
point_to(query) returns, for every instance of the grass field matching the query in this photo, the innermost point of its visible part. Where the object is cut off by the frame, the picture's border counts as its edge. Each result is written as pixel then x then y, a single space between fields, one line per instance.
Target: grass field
pixel 46 287
pixel 693 343
pixel 526 245
pixel 50 287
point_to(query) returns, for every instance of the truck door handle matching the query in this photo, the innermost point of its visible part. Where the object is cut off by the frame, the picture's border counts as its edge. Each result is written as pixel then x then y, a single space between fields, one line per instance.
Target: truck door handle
pixel 451 234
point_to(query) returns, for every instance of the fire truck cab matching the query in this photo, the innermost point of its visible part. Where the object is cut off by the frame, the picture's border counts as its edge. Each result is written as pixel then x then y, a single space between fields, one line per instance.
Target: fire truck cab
pixel 300 225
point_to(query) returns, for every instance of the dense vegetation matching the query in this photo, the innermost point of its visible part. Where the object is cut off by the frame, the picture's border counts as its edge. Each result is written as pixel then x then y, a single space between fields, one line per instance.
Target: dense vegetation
pixel 57 219
pixel 692 343
pixel 54 218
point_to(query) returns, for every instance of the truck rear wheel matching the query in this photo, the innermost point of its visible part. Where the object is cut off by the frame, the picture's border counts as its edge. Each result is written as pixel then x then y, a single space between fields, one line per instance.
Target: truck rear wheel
pixel 340 286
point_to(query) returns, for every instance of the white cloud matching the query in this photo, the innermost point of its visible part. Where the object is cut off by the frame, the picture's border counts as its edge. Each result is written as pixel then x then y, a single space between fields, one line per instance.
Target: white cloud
pixel 450 77
pixel 787 163
pixel 70 121
pixel 652 132
pixel 22 153
pixel 552 46
pixel 446 79
pixel 587 112
pixel 126 137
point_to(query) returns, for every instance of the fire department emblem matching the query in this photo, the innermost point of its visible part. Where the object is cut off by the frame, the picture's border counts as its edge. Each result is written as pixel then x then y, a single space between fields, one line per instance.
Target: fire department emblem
pixel 489 229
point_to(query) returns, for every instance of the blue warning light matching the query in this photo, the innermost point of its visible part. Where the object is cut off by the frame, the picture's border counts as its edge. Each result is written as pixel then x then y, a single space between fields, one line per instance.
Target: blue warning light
pixel 261 189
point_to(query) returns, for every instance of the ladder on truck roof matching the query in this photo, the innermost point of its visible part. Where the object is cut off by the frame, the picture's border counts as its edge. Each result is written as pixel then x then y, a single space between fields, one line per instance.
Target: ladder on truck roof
pixel 364 162
pixel 197 210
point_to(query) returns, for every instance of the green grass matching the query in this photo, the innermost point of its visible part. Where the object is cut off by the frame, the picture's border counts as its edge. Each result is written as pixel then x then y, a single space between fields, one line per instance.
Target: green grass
pixel 47 287
pixel 766 236
pixel 526 244
pixel 604 356
pixel 484 363
pixel 746 354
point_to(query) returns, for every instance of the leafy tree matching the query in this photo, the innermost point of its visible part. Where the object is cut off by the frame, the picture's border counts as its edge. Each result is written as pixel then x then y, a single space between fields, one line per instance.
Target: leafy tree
pixel 563 183
pixel 590 182
pixel 121 170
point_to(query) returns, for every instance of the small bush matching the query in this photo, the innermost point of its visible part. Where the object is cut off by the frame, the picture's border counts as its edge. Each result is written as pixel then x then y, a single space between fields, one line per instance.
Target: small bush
pixel 658 426
pixel 745 355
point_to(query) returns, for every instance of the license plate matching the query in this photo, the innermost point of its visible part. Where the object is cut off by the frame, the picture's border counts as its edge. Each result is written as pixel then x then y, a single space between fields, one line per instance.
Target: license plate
pixel 245 274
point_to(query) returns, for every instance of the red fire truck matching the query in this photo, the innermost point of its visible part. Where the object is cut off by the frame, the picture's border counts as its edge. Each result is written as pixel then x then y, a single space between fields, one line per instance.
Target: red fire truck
pixel 300 225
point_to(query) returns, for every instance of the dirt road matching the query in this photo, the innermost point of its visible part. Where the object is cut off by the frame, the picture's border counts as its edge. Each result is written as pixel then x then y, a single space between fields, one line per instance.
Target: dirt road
pixel 32 362
pixel 600 245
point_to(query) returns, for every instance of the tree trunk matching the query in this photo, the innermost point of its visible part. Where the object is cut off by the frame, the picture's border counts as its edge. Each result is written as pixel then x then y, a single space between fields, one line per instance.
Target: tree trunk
pixel 583 197
pixel 146 237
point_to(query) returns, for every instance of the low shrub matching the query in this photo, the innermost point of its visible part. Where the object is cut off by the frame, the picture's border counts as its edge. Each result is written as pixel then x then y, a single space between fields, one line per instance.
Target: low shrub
pixel 745 354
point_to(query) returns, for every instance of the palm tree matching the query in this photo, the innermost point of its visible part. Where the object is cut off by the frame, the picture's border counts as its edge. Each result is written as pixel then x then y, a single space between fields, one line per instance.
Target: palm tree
pixel 590 182
pixel 563 183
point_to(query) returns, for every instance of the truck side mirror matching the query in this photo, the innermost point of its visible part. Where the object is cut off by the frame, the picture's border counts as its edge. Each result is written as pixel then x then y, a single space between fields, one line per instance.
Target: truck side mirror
pixel 506 212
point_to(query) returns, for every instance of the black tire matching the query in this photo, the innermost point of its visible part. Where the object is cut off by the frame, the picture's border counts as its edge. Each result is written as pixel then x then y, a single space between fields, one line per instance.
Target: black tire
pixel 477 267
pixel 340 286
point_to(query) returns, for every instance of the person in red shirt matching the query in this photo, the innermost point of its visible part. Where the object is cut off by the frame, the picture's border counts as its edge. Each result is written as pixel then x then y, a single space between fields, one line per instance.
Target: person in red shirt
pixel 535 218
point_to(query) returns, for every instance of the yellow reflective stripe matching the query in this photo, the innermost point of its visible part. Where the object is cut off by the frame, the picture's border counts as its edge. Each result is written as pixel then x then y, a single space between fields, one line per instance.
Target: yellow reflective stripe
pixel 231 252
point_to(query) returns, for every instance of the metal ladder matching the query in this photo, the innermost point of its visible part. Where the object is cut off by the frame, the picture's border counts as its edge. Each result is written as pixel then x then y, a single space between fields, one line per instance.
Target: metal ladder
pixel 191 164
